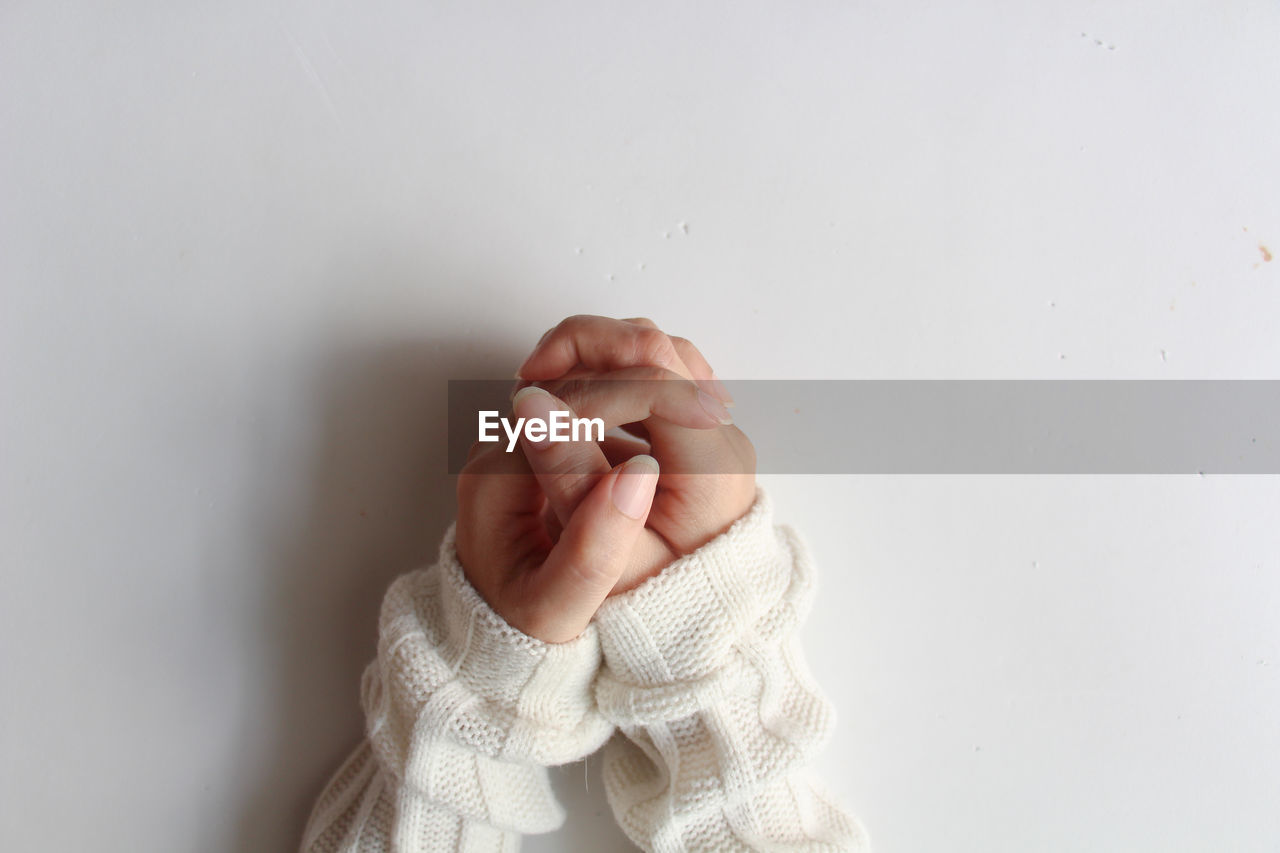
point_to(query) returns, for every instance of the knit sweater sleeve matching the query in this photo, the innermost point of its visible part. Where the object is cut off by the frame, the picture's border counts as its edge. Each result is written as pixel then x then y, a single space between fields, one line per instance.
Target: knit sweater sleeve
pixel 716 711
pixel 463 713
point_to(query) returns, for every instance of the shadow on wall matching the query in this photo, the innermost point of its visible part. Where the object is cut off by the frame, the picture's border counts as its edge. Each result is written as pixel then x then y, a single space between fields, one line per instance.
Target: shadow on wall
pixel 377 499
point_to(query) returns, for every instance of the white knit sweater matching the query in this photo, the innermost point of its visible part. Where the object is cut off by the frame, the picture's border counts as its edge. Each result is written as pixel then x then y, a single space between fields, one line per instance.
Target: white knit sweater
pixel 694 678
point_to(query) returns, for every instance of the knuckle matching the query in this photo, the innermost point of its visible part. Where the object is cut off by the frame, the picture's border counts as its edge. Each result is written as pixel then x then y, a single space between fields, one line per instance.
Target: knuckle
pixel 687 351
pixel 575 321
pixel 545 337
pixel 569 327
pixel 566 485
pixel 580 559
pixel 652 347
pixel 573 392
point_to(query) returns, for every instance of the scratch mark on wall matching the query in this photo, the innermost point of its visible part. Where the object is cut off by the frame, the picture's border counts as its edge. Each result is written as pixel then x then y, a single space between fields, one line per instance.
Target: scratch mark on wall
pixel 311 73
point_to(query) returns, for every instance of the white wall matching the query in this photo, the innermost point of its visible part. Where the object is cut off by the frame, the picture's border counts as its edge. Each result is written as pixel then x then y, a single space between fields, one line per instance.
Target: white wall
pixel 244 244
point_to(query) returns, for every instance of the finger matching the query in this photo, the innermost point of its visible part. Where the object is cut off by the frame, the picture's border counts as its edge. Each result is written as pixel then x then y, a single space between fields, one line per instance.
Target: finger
pixel 566 470
pixel 599 344
pixel 592 553
pixel 583 372
pixel 500 482
pixel 499 502
pixel 701 369
pixel 708 481
pixel 639 393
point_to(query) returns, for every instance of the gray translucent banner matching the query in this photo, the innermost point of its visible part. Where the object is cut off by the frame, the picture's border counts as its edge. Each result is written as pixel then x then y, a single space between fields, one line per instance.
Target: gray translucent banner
pixel 968 426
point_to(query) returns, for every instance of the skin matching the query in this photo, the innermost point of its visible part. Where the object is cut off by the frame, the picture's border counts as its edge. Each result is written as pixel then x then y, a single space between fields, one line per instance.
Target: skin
pixel 542 534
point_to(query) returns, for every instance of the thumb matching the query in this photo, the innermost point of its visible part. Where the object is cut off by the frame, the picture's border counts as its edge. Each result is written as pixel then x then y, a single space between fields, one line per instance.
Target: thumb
pixel 594 549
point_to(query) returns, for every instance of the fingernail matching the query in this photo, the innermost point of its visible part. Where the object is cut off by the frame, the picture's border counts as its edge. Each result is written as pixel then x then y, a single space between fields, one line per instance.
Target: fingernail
pixel 716 388
pixel 714 407
pixel 534 402
pixel 634 486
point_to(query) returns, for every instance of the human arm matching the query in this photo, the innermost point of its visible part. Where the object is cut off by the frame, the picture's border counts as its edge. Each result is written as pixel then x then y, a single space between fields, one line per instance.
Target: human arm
pixel 703 673
pixel 717 713
pixel 486 658
pixel 463 714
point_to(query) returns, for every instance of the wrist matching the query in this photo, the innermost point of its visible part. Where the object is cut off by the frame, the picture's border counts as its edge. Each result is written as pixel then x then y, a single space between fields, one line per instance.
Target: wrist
pixel 681 624
pixel 511 695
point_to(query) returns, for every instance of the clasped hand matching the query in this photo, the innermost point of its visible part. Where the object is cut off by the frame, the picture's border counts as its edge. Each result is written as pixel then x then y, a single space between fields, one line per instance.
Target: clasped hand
pixel 547 533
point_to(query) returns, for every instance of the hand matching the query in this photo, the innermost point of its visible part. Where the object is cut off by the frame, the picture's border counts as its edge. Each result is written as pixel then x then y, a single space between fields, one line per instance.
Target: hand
pixel 708 475
pixel 547 589
pixel 545 580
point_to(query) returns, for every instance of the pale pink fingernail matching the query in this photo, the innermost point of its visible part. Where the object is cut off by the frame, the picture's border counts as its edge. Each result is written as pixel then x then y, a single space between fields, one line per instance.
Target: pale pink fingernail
pixel 634 486
pixel 716 388
pixel 533 402
pixel 714 407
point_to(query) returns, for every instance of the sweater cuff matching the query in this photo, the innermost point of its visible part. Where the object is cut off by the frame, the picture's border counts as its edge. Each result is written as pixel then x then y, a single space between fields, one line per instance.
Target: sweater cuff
pixel 465 710
pixel 682 625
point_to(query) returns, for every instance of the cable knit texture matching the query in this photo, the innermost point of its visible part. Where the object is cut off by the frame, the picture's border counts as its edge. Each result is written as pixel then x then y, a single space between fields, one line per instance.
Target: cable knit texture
pixel 698 668
pixel 717 711
pixel 463 713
